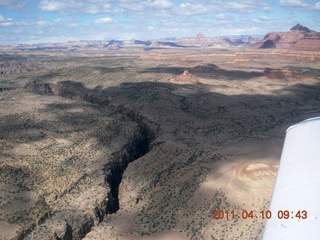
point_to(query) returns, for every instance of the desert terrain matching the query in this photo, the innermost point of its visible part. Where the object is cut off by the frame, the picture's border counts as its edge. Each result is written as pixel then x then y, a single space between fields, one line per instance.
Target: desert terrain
pixel 146 144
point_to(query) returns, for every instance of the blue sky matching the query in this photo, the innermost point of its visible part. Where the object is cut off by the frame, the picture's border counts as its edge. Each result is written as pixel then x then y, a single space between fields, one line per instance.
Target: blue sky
pixel 36 21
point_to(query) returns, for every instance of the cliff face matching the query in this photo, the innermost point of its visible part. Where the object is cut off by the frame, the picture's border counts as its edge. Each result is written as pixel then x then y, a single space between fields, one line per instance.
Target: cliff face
pixel 132 150
pixel 298 38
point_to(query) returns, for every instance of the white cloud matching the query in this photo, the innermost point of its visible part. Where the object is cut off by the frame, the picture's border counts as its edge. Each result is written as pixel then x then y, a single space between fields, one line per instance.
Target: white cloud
pixel 221 16
pixel 47 5
pixel 6 22
pixel 57 20
pixel 18 5
pixel 103 20
pixel 241 6
pixel 265 18
pixel 302 4
pixel 132 6
pixel 93 9
pixel 43 23
pixel 26 24
pixel 266 7
pixel 73 6
pixel 153 6
pixel 159 4
pixel 294 3
pixel 190 9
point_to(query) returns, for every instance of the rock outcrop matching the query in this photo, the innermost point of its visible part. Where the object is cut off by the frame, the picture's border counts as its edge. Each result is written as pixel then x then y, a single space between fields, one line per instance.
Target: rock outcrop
pixel 298 38
pixel 186 78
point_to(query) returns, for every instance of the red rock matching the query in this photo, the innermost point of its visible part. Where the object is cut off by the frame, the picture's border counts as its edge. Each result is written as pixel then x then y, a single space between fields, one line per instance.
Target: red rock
pixel 298 38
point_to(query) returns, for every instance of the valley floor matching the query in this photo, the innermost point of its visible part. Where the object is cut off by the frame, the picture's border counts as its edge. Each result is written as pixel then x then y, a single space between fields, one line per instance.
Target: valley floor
pixel 146 144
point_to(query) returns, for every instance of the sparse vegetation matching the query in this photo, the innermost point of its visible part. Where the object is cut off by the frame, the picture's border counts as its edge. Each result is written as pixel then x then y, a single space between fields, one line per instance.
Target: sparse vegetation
pixel 64 120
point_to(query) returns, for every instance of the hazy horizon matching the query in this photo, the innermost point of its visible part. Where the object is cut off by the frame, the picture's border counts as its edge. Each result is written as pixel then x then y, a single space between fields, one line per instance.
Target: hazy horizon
pixel 142 40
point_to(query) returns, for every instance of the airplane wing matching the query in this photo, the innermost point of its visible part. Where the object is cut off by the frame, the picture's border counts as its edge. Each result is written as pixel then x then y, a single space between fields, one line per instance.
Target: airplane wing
pixel 295 204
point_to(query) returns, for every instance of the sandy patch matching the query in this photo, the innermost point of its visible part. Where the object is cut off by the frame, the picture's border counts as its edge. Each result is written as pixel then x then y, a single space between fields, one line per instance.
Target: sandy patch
pixel 14 200
pixel 76 110
pixel 250 174
pixel 23 150
pixel 7 230
pixel 4 159
pixel 26 103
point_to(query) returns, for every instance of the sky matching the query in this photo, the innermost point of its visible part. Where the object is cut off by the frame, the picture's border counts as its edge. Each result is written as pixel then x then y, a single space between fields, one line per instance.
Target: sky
pixel 41 21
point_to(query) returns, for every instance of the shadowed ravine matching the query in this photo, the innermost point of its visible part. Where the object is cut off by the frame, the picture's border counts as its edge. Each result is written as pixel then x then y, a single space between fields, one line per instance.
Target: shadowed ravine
pixel 133 149
pixel 114 170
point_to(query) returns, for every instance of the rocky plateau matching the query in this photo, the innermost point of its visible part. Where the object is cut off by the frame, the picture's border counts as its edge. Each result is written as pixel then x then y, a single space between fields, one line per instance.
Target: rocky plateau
pixel 123 144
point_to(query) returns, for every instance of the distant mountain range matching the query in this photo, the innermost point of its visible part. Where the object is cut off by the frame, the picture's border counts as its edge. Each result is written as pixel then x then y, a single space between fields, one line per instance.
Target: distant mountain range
pixel 243 41
pixel 298 38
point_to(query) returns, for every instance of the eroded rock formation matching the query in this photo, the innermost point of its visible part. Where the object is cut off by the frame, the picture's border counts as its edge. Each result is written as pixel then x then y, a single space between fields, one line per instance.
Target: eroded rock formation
pixel 298 38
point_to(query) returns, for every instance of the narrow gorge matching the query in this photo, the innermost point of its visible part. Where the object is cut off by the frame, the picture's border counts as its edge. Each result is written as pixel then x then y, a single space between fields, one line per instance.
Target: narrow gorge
pixel 134 148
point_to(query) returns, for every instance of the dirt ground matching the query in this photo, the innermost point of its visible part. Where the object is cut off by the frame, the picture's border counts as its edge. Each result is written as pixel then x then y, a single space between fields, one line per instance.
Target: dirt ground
pixel 193 131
